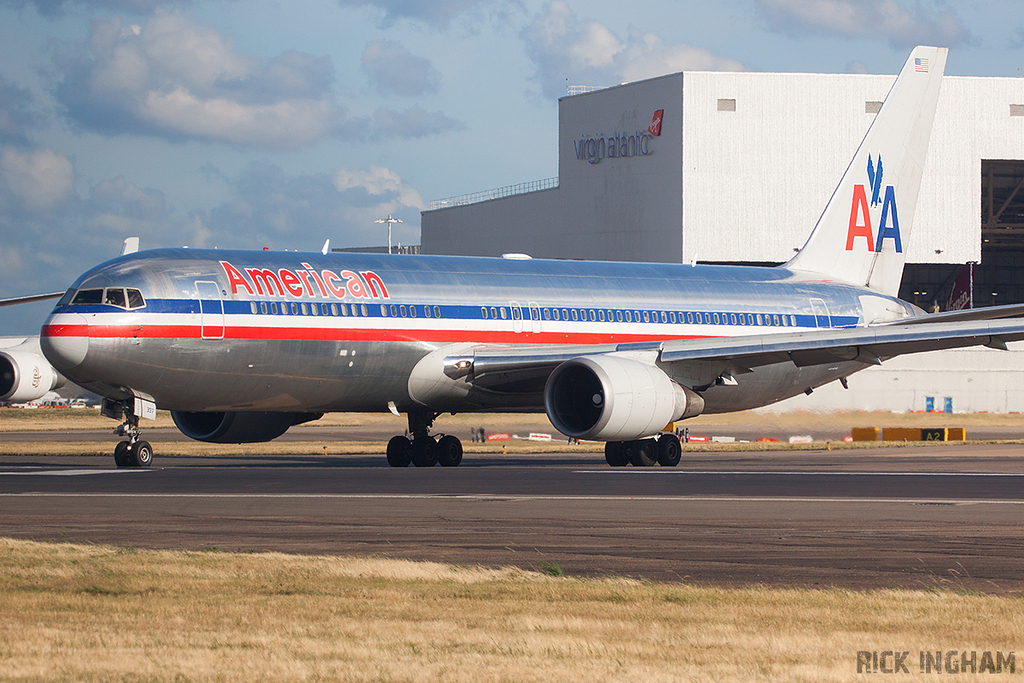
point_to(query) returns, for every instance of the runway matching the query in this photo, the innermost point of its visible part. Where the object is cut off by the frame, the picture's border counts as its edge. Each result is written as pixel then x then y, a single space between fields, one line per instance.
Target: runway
pixel 945 516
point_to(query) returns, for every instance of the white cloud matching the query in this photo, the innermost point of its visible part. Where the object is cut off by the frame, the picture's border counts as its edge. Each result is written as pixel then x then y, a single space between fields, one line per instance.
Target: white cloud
pixel 378 181
pixel 561 46
pixel 176 78
pixel 866 18
pixel 40 178
pixel 393 69
pixel 436 13
pixel 282 211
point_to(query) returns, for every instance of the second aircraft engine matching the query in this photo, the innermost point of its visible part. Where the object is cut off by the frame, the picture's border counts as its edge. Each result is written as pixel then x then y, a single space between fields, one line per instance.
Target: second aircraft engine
pixel 237 427
pixel 613 398
pixel 25 376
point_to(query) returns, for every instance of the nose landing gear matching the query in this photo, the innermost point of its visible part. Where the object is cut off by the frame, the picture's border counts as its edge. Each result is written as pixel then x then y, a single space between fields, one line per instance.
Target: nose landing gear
pixel 134 452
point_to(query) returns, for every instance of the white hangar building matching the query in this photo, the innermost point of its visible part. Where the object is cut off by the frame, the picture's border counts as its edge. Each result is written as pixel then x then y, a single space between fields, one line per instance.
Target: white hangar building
pixel 739 172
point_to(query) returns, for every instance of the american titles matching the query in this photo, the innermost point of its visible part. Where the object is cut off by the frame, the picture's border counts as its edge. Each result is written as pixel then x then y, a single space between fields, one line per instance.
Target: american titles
pixel 364 284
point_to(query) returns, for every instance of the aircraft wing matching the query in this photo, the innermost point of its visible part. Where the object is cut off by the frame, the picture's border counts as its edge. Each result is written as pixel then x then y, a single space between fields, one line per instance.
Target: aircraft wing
pixel 705 359
pixel 29 299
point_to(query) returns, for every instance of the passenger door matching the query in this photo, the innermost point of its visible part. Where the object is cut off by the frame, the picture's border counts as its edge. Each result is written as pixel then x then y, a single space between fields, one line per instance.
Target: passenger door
pixel 211 310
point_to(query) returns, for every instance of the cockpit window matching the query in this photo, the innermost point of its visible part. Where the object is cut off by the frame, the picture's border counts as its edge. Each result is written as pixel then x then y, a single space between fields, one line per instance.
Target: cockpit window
pixel 112 296
pixel 135 299
pixel 66 299
pixel 115 297
pixel 87 296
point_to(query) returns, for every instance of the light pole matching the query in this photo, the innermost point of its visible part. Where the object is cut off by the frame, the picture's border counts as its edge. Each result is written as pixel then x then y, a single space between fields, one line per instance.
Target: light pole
pixel 389 220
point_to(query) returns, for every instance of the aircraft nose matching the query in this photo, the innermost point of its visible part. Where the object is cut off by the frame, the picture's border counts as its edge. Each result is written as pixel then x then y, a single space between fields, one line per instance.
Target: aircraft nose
pixel 64 340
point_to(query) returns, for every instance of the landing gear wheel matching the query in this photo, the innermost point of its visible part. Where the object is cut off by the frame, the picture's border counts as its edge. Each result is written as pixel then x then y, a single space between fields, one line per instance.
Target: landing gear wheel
pixel 399 451
pixel 669 450
pixel 449 451
pixel 141 454
pixel 615 454
pixel 121 458
pixel 424 452
pixel 641 453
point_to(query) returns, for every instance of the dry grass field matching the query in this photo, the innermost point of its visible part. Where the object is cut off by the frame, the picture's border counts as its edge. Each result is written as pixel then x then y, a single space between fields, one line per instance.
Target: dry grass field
pixel 20 420
pixel 17 419
pixel 87 613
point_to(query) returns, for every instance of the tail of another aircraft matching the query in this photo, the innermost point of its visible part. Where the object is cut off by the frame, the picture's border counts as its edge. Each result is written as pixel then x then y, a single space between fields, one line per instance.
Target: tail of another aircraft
pixel 864 230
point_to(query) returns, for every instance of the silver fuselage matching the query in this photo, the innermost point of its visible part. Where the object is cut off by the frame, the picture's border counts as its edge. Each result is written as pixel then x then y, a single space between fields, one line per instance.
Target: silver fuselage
pixel 300 332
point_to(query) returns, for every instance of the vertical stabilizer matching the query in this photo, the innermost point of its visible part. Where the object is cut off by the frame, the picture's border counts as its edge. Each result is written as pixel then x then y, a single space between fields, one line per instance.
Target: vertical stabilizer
pixel 864 231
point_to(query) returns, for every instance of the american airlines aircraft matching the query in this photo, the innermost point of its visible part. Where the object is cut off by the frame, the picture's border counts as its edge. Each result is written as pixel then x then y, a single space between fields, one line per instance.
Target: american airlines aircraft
pixel 241 345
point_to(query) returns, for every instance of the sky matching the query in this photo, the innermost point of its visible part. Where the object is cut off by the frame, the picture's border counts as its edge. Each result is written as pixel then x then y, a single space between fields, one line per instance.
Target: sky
pixel 279 124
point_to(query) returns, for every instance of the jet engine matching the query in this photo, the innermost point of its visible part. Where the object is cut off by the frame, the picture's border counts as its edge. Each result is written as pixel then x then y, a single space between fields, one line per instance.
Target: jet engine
pixel 237 427
pixel 26 376
pixel 613 398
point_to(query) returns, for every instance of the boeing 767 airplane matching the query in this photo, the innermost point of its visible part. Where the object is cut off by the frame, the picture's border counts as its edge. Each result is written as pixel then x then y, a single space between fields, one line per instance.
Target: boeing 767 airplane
pixel 241 345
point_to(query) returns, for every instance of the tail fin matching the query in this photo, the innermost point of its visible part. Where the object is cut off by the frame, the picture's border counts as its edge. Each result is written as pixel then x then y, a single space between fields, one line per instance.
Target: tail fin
pixel 865 228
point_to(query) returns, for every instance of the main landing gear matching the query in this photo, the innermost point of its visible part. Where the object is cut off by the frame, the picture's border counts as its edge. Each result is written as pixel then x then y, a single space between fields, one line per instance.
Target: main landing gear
pixel 134 452
pixel 665 451
pixel 421 449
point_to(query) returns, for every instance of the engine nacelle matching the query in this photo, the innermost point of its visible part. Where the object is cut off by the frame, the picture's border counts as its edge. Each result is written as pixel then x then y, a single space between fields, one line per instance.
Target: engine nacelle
pixel 237 427
pixel 611 398
pixel 26 376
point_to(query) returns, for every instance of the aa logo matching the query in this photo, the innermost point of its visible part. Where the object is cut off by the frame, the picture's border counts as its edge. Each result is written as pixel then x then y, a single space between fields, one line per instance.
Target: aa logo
pixel 860 213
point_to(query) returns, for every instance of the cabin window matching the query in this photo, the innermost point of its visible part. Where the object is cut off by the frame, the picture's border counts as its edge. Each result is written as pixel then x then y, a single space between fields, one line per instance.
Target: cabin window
pixel 575 314
pixel 547 314
pixel 365 311
pixel 716 319
pixel 305 308
pixel 517 313
pixel 792 320
pixel 426 311
pixel 334 309
pixel 437 311
pixel 403 311
pixel 593 315
pixel 483 312
pixel 732 318
pixel 263 307
pixel 554 314
pixel 775 320
pixel 412 311
pixel 671 316
pixel 324 309
pixel 629 316
pixel 253 308
pixel 600 315
pixel 504 313
pixel 618 316
pixel 785 321
pixel 394 310
pixel 314 309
